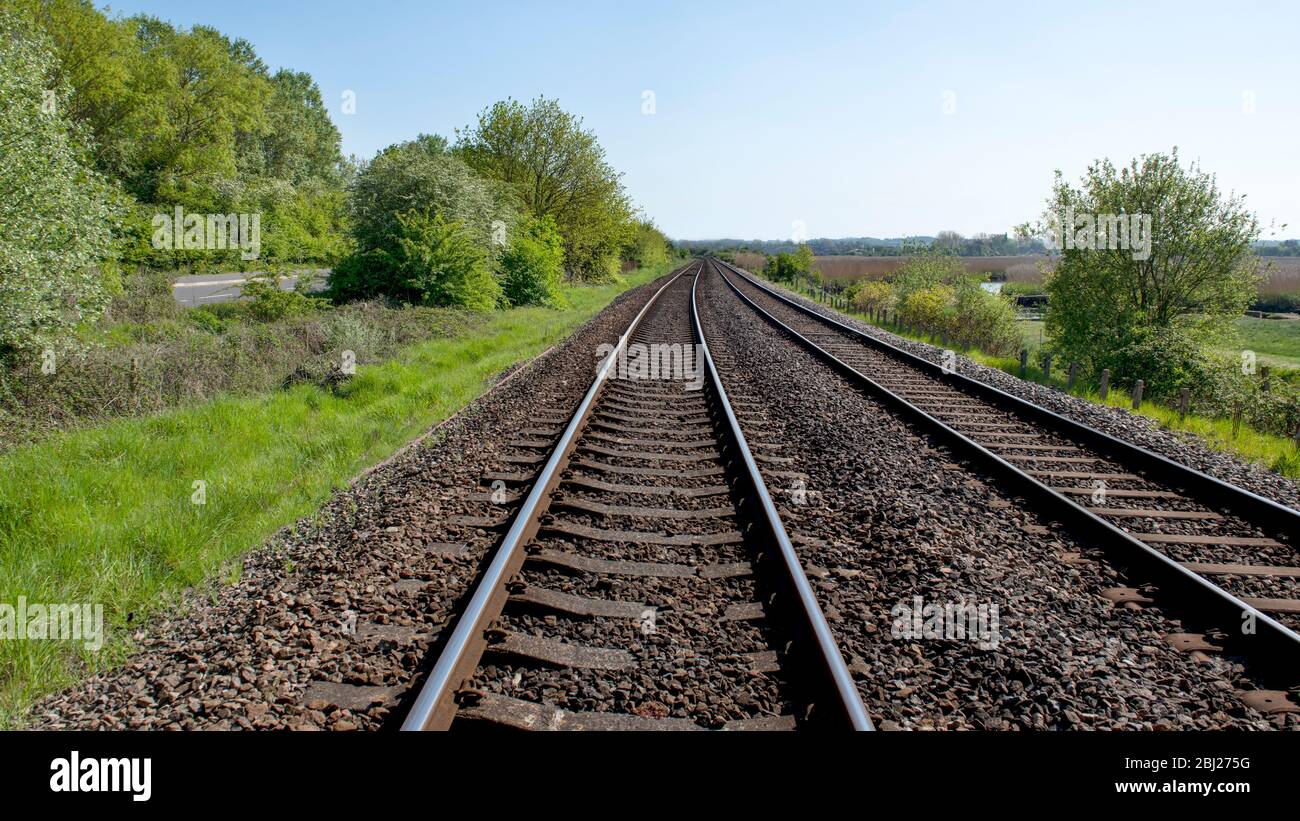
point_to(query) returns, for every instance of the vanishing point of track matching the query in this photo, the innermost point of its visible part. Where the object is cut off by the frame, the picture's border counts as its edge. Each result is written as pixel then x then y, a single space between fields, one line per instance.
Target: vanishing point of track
pixel 646 571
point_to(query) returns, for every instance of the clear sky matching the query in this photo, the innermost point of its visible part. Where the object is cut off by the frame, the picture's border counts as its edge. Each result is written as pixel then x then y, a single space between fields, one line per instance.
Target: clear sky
pixel 856 118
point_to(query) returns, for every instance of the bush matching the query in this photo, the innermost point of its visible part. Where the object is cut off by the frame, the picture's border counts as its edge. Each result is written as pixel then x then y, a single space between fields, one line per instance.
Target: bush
pixel 791 267
pixel 440 263
pixel 1015 289
pixel 266 302
pixel 930 308
pixel 533 266
pixel 419 177
pixel 56 211
pixel 871 295
pixel 984 320
pixel 1166 359
pixel 206 321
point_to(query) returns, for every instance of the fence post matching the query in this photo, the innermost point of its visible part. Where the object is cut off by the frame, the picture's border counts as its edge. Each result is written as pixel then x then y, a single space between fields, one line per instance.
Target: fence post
pixel 1074 371
pixel 1105 384
pixel 1137 393
pixel 1236 419
pixel 1263 385
pixel 1183 400
pixel 1047 368
pixel 1024 362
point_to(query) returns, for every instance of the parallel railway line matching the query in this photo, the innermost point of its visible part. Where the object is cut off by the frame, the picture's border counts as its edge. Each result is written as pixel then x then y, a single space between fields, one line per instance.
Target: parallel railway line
pixel 1218 556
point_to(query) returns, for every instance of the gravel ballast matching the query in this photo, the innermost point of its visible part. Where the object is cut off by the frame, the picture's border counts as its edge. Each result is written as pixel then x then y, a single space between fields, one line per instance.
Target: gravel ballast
pixel 886 517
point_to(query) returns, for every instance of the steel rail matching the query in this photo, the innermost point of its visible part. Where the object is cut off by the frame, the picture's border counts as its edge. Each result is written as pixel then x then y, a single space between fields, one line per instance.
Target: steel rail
pixel 1273 648
pixel 817 633
pixel 1246 504
pixel 433 708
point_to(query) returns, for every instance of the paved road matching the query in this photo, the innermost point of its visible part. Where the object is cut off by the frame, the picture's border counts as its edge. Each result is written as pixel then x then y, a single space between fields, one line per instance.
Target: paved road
pixel 204 289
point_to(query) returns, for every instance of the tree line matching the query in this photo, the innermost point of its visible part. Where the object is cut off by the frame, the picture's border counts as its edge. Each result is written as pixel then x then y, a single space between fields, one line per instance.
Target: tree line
pixel 979 245
pixel 110 126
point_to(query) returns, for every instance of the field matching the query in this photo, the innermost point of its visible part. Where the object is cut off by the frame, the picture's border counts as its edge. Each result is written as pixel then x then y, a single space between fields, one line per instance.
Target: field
pixel 1282 274
pixel 850 268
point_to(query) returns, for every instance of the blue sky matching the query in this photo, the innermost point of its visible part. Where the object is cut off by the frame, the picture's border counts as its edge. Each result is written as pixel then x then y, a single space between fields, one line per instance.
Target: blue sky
pixel 855 118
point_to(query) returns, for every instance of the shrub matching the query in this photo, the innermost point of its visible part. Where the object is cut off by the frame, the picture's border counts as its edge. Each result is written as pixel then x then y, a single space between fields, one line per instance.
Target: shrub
pixel 1166 359
pixel 56 211
pixel 984 320
pixel 533 266
pixel 871 295
pixel 790 267
pixel 440 263
pixel 206 321
pixel 266 302
pixel 417 177
pixel 930 308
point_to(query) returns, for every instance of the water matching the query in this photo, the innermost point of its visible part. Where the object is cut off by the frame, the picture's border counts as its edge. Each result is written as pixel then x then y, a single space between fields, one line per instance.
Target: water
pixel 992 287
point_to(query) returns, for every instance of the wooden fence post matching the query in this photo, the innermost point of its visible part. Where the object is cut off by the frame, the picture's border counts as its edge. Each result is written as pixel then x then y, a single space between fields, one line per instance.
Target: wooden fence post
pixel 1024 362
pixel 1047 368
pixel 1184 397
pixel 1137 393
pixel 1074 371
pixel 1105 384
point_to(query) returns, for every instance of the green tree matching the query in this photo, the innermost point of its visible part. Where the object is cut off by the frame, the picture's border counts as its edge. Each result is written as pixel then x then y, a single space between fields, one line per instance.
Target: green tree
pixel 556 169
pixel 440 263
pixel 532 268
pixel 1190 276
pixel 423 176
pixel 647 245
pixel 56 212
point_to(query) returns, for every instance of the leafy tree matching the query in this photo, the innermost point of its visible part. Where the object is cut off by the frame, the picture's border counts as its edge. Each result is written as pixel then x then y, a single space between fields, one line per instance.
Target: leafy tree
pixel 556 169
pixel 299 141
pixel 55 210
pixel 440 263
pixel 1193 278
pixel 413 176
pixel 872 296
pixel 193 118
pixel 927 268
pixel 422 175
pixel 790 267
pixel 646 246
pixel 532 268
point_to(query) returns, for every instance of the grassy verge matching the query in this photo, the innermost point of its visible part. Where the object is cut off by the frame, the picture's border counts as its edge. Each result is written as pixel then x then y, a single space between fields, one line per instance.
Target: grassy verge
pixel 1277 453
pixel 105 515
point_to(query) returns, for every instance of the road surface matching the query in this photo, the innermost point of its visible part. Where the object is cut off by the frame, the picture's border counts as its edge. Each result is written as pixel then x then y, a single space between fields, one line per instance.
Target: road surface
pixel 204 289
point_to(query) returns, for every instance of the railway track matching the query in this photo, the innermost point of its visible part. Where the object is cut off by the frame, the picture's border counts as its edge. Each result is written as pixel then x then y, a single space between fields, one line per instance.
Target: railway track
pixel 645 580
pixel 1219 557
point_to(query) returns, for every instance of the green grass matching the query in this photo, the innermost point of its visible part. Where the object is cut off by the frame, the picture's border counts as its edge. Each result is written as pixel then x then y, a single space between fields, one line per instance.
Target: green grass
pixel 1276 342
pixel 104 514
pixel 1277 453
